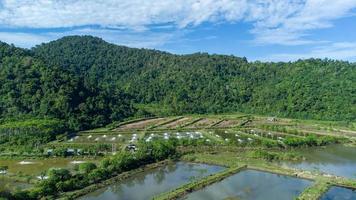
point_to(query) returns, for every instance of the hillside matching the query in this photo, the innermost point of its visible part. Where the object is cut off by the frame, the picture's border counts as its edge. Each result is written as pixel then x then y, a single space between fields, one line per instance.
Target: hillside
pixel 32 89
pixel 89 82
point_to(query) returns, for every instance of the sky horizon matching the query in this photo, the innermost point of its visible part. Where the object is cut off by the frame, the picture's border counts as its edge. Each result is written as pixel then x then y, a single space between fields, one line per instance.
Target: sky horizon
pixel 266 30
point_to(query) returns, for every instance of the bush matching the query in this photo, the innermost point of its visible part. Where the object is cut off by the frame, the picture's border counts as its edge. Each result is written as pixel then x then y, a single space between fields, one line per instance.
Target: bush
pixel 85 168
pixel 61 180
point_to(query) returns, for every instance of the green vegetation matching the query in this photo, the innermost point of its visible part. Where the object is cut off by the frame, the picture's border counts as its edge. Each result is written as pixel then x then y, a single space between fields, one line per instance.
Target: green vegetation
pixel 91 83
pixel 51 93
pixel 27 135
pixel 86 168
pixel 86 82
pixel 62 180
pixel 30 88
pixel 120 177
pixel 186 83
pixel 60 149
pixel 315 191
pixel 29 172
pixel 273 156
pixel 310 140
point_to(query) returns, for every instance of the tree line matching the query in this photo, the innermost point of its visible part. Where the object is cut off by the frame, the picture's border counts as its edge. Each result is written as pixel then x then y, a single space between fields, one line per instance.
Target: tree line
pixel 87 82
pixel 63 180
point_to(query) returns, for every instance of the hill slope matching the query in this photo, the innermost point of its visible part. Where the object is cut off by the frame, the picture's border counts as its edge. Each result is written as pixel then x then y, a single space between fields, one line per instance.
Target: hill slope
pixel 200 83
pixel 88 82
pixel 30 88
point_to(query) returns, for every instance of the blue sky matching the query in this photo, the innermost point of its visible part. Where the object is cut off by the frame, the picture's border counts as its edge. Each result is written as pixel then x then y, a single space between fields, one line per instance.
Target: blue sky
pixel 268 30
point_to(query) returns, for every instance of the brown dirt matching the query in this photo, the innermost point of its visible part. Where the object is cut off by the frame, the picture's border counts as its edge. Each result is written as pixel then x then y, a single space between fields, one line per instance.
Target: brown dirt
pixel 141 124
pixel 176 123
pixel 203 123
pixel 228 123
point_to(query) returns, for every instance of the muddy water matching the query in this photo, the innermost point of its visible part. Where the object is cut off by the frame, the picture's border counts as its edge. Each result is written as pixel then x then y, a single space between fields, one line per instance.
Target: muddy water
pixel 35 167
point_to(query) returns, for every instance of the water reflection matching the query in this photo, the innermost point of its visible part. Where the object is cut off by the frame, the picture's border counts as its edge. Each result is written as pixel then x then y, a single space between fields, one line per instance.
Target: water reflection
pixel 336 159
pixel 252 185
pixel 338 193
pixel 153 182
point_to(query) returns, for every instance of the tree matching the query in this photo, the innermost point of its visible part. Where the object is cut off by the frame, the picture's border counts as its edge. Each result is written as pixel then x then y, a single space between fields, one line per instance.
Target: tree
pixel 87 167
pixel 57 175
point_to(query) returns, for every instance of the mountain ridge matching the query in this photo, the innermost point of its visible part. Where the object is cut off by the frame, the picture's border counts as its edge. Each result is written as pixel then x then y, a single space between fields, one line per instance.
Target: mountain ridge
pixel 93 70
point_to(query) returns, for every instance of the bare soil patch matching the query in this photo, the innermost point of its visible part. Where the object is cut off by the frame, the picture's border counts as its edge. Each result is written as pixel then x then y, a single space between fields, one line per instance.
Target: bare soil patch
pixel 228 123
pixel 203 123
pixel 177 123
pixel 141 124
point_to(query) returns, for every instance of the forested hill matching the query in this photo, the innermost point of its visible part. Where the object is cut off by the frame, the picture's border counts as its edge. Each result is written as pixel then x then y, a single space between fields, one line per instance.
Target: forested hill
pixel 83 78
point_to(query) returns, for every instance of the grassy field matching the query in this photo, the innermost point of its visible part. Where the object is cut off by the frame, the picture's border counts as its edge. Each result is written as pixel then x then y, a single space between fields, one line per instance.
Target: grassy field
pixel 33 167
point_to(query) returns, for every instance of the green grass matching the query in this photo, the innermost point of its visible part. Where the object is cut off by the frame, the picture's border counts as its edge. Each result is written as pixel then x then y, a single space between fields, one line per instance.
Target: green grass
pixel 315 191
pixel 39 165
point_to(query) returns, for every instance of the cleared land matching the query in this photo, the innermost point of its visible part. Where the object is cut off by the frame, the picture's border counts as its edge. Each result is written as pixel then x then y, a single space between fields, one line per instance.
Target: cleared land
pixel 228 123
pixel 203 123
pixel 141 124
pixel 176 124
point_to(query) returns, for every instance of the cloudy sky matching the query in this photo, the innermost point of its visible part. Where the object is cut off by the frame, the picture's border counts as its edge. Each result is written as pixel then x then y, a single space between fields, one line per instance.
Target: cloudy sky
pixel 269 30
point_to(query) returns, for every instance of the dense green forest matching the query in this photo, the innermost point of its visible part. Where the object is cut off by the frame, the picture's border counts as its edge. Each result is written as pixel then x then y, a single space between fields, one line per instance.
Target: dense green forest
pixel 87 82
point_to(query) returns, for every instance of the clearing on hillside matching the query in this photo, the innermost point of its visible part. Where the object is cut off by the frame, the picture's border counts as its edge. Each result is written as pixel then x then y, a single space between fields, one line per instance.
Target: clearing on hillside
pixel 203 123
pixel 177 123
pixel 228 123
pixel 141 124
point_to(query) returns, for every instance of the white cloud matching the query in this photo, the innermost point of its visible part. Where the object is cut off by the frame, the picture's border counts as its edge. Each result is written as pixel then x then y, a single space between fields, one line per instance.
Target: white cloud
pixel 111 13
pixel 288 22
pixel 25 40
pixel 284 22
pixel 130 38
pixel 337 50
pixel 121 37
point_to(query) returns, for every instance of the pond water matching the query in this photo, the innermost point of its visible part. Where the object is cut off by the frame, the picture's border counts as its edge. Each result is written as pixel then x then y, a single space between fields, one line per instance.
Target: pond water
pixel 339 193
pixel 35 167
pixel 252 185
pixel 10 183
pixel 153 182
pixel 335 159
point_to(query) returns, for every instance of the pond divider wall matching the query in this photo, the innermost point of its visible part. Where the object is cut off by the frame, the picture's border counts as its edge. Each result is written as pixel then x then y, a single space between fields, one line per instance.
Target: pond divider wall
pixel 120 177
pixel 315 191
pixel 199 184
